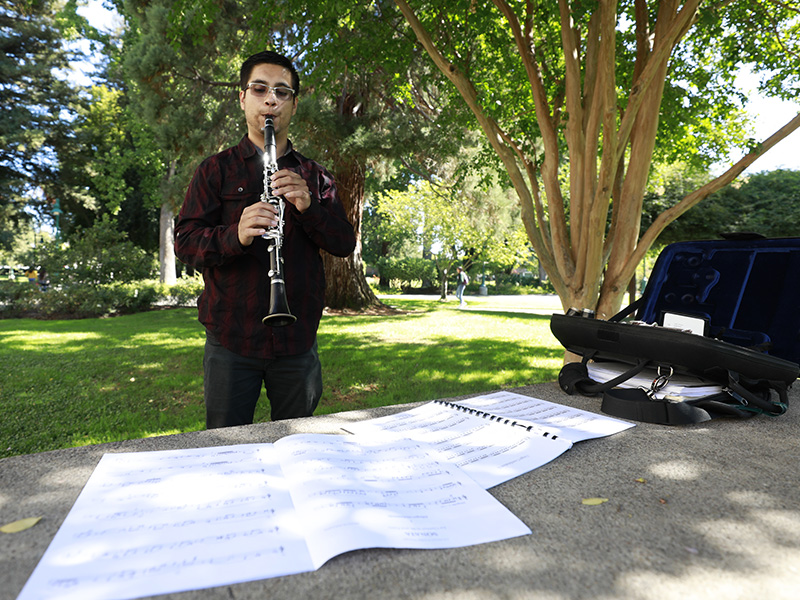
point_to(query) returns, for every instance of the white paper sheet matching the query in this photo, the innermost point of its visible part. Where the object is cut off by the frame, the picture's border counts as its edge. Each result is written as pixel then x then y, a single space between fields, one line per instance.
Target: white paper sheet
pixel 158 522
pixel 150 523
pixel 356 492
pixel 679 386
pixel 488 451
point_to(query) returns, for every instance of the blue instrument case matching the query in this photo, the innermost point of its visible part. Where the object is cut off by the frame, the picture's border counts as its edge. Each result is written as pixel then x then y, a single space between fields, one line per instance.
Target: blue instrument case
pixel 741 295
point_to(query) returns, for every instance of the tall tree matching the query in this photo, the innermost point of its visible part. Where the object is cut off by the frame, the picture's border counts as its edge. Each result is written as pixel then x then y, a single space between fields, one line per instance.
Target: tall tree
pixel 577 98
pixel 37 103
pixel 110 167
pixel 367 65
pixel 182 85
pixel 362 71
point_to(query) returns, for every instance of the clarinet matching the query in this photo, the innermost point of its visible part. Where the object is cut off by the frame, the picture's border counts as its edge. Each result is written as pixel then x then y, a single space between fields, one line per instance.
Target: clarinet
pixel 279 314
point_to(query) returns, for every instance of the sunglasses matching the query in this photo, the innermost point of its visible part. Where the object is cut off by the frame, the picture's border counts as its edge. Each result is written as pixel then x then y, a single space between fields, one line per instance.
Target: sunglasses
pixel 259 90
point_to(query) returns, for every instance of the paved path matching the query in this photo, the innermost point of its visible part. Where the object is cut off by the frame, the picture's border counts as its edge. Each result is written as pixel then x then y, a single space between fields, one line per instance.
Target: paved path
pixel 540 304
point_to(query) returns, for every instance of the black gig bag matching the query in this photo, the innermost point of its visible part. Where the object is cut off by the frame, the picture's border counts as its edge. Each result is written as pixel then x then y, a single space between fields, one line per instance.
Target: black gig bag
pixel 741 298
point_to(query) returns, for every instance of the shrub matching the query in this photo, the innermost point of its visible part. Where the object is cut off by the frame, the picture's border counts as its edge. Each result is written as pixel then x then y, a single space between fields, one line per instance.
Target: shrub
pixel 97 272
pixel 183 293
pixel 81 300
pixel 17 298
pixel 408 270
pixel 100 254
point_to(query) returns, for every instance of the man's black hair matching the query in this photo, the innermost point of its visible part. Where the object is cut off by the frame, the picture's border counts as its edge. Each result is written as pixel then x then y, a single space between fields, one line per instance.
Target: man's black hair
pixel 272 58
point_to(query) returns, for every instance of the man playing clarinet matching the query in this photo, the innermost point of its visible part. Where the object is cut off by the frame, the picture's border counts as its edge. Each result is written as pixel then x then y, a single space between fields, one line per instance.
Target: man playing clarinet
pixel 221 230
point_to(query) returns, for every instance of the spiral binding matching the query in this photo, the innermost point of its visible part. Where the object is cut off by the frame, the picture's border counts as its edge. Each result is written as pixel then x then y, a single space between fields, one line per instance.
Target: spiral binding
pixel 495 418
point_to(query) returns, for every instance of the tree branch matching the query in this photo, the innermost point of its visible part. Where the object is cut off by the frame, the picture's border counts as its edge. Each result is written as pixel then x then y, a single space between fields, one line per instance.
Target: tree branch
pixel 559 242
pixel 537 201
pixel 597 189
pixel 493 132
pixel 641 143
pixel 658 58
pixel 775 28
pixel 196 76
pixel 574 130
pixel 669 215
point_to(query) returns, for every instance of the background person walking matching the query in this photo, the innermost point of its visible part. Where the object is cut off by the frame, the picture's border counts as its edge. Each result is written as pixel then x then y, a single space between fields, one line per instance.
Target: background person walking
pixel 463 280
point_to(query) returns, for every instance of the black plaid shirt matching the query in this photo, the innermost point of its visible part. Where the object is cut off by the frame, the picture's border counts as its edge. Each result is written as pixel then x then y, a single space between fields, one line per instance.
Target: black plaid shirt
pixel 237 285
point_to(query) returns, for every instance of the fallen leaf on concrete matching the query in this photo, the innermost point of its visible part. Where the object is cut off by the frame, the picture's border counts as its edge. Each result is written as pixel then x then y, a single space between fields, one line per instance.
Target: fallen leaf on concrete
pixel 593 501
pixel 20 525
pixel 641 480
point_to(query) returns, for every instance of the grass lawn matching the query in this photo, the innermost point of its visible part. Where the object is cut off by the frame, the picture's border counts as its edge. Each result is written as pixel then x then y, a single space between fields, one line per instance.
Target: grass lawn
pixel 78 382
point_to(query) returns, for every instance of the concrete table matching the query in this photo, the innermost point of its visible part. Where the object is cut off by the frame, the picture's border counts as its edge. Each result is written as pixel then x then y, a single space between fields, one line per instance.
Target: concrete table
pixel 700 511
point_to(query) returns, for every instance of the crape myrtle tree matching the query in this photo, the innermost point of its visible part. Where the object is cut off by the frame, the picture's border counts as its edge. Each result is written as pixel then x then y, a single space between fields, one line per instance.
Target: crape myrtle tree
pixel 578 97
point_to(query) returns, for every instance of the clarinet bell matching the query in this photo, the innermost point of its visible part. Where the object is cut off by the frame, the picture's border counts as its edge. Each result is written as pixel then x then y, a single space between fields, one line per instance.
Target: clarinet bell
pixel 279 314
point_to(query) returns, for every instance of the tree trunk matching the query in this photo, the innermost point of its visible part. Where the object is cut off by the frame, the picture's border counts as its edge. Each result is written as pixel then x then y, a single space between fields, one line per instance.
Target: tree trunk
pixel 345 281
pixel 166 238
pixel 166 244
pixel 383 281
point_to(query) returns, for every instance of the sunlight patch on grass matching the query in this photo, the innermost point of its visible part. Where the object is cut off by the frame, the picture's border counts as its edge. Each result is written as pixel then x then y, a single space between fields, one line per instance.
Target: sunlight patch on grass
pixel 364 387
pixel 430 374
pixel 154 434
pixel 158 339
pixel 31 338
pixel 153 366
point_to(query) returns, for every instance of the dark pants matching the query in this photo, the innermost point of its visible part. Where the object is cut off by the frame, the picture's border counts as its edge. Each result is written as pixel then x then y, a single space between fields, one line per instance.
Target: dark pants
pixel 233 385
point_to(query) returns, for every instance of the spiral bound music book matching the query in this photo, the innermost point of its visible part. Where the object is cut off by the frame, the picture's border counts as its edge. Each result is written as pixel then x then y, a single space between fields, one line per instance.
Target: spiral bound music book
pixel 498 436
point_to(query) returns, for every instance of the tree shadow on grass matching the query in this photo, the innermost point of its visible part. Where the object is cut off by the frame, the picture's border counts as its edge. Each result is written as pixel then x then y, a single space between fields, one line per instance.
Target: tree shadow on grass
pixel 83 381
pixel 363 365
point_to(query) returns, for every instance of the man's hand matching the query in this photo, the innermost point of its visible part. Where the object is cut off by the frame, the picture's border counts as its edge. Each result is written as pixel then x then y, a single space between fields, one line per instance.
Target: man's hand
pixel 255 220
pixel 293 188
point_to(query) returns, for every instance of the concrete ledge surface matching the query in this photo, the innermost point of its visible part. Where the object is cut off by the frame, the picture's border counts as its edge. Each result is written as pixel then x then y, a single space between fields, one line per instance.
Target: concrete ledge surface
pixel 717 515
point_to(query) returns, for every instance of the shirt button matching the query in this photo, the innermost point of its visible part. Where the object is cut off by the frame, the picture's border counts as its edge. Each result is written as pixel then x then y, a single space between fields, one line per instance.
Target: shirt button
pixel 241 189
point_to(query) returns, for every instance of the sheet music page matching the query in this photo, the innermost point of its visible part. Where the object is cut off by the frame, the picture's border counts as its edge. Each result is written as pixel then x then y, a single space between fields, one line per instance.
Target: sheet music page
pixel 150 523
pixel 488 451
pixel 355 492
pixel 570 423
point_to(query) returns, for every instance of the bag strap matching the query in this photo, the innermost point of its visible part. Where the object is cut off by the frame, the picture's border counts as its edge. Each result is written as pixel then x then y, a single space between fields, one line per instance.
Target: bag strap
pixel 736 400
pixel 637 405
pixel 757 403
pixel 574 377
pixel 628 310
